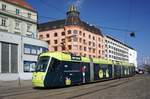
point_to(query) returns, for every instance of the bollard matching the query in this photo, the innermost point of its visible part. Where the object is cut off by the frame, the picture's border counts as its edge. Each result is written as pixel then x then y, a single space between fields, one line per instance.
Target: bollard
pixel 19 82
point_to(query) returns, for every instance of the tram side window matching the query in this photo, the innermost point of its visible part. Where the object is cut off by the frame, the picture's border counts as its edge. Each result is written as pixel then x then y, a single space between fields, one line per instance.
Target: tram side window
pixel 72 65
pixel 76 65
pixel 54 65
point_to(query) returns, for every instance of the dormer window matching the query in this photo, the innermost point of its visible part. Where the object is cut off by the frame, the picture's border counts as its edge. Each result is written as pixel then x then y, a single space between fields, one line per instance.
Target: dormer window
pixel 29 15
pixel 17 11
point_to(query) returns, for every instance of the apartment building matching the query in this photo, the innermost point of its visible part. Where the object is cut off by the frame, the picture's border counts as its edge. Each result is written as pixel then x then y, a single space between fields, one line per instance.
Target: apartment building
pixel 73 35
pixel 119 51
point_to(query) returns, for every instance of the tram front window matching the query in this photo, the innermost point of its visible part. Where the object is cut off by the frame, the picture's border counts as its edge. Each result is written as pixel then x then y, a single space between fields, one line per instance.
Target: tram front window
pixel 42 64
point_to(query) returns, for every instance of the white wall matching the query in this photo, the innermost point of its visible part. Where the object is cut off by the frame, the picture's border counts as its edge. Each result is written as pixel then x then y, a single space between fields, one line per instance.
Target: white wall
pixel 115 44
pixel 133 57
pixel 20 40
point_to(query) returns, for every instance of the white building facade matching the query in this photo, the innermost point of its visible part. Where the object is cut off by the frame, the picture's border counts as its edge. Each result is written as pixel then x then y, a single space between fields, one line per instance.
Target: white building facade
pixel 16 16
pixel 133 57
pixel 19 47
pixel 18 55
pixel 118 51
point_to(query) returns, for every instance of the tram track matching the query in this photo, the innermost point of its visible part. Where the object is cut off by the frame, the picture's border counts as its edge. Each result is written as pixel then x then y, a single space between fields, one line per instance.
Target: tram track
pixel 33 93
pixel 106 86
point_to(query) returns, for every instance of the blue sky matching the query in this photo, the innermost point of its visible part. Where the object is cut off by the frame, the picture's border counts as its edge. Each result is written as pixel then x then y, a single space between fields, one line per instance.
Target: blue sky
pixel 133 15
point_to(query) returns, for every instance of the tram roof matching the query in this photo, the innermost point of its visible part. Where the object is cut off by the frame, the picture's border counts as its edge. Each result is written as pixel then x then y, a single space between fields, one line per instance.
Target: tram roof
pixel 68 57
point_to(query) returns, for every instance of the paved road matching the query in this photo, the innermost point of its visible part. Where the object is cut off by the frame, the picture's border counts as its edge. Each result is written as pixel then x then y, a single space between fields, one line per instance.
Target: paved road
pixel 137 87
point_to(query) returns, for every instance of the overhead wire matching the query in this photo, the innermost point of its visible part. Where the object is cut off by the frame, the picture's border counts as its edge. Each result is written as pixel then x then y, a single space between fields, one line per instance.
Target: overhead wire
pixel 51 5
pixel 48 17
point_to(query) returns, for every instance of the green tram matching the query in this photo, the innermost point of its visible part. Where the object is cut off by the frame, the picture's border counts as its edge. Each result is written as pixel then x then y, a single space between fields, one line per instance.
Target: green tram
pixel 56 69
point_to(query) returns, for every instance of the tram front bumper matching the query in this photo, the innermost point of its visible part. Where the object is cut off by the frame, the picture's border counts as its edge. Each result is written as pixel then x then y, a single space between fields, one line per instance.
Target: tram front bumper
pixel 38 79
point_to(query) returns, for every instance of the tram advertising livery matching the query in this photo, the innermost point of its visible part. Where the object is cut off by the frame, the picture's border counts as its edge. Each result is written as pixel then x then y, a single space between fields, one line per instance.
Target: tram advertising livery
pixel 56 69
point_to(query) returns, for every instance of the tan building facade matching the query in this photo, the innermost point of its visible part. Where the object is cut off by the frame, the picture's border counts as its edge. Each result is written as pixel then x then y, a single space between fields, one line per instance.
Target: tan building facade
pixel 73 35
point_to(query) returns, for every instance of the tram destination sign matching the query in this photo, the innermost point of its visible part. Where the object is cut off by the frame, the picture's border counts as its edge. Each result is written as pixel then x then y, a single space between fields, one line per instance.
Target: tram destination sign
pixel 77 58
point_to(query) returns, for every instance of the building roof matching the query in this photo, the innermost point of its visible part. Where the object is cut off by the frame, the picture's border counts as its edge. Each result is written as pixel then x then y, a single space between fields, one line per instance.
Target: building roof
pixel 61 23
pixel 116 40
pixel 21 3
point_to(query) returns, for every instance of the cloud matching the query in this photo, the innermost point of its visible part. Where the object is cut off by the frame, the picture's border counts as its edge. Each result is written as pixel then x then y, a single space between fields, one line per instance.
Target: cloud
pixel 77 3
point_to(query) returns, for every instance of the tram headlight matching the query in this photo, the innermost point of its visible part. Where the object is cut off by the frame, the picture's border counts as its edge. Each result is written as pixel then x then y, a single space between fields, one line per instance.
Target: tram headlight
pixel 42 77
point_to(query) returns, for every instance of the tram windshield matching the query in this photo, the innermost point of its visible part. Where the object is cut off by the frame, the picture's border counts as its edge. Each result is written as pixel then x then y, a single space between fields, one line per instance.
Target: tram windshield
pixel 42 64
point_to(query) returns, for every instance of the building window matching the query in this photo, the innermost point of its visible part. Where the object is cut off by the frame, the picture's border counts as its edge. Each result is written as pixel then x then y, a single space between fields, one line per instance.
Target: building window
pixel 80 32
pixel 93 44
pixel 55 48
pixel 99 45
pixel 89 43
pixel 69 39
pixel 80 40
pixel 55 34
pixel 69 47
pixel 93 38
pixel 17 25
pixel 47 35
pixel 69 31
pixel 99 51
pixel 84 48
pixel 89 36
pixel 75 47
pixel 5 58
pixel 75 39
pixel 80 47
pixel 63 40
pixel 14 58
pixel 55 42
pixel 63 48
pixel 29 27
pixel 9 56
pixel 93 50
pixel 89 50
pixel 3 7
pixel 80 54
pixel 75 32
pixel 29 15
pixel 29 66
pixel 40 36
pixel 63 33
pixel 84 42
pixel 83 34
pixel 33 50
pixel 99 39
pixel 48 42
pixel 17 11
pixel 3 22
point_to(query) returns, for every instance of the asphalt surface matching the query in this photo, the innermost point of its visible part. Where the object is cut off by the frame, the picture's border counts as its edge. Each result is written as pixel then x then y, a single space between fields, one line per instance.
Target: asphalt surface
pixel 137 87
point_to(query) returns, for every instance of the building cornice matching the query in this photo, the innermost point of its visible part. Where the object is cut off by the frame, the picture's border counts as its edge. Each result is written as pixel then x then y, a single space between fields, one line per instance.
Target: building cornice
pixel 18 17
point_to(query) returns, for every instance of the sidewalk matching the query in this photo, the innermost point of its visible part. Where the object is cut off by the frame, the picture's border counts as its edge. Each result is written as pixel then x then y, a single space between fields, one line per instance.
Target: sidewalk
pixel 15 84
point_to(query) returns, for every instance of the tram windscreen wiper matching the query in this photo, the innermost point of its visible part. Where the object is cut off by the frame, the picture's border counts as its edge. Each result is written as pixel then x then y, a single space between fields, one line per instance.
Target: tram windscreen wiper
pixel 42 64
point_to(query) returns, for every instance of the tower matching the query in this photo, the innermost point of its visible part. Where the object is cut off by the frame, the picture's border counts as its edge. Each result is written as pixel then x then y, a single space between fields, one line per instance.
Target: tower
pixel 73 16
